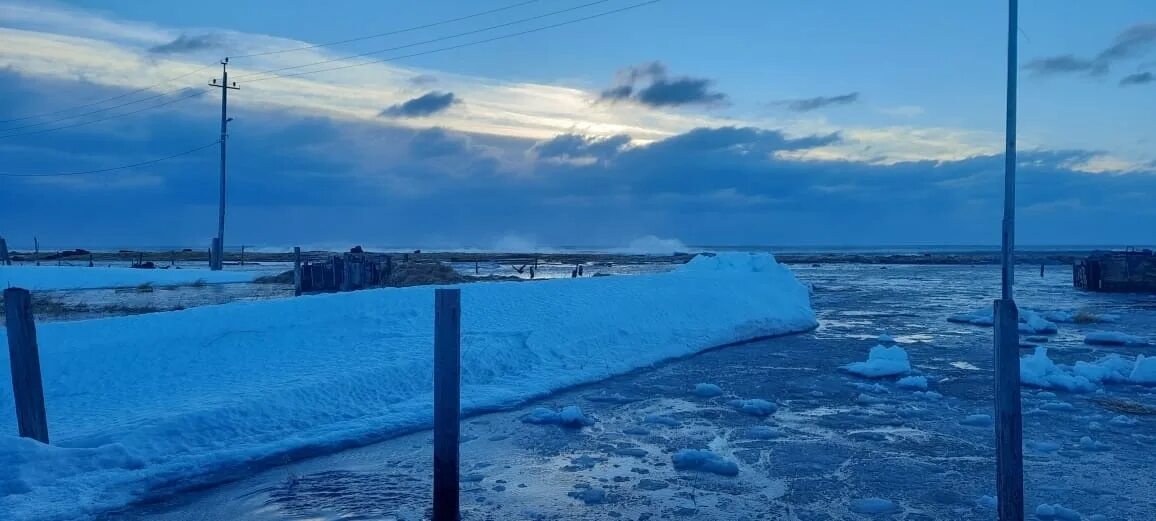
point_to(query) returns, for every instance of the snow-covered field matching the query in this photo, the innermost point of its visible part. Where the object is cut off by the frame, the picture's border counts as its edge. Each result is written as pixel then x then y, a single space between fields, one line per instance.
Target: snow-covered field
pixel 780 429
pixel 168 400
pixel 76 277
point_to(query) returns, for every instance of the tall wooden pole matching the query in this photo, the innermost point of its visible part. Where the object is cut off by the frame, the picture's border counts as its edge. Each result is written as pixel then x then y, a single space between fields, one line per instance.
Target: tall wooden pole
pixel 447 403
pixel 1008 407
pixel 24 356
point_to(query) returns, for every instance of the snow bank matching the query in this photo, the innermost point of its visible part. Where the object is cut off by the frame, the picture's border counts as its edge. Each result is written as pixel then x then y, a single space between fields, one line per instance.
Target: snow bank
pixel 881 361
pixel 1112 338
pixel 44 278
pixel 166 399
pixel 1037 370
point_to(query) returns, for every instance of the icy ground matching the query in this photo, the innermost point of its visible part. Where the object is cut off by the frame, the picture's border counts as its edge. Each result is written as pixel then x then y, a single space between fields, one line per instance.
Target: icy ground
pixel 838 446
pixel 83 277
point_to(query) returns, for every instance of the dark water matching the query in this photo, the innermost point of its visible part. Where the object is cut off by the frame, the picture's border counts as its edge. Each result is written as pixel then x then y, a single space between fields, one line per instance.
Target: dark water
pixel 834 442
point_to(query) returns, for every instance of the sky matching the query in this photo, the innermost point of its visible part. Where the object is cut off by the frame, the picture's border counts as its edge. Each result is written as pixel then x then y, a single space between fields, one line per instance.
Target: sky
pixel 746 122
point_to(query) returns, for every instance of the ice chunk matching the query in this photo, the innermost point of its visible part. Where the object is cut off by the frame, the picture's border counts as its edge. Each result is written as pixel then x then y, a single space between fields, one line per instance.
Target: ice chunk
pixel 570 416
pixel 977 420
pixel 754 407
pixel 873 505
pixel 704 461
pixel 881 361
pixel 871 388
pixel 661 420
pixel 867 399
pixel 1046 511
pixel 1030 322
pixel 1038 370
pixel 1087 443
pixel 1058 406
pixel 763 432
pixel 1043 446
pixel 885 339
pixel 928 395
pixel 912 382
pixel 589 496
pixel 1114 338
pixel 1123 421
pixel 987 502
pixel 1144 372
pixel 1082 316
pixel 707 390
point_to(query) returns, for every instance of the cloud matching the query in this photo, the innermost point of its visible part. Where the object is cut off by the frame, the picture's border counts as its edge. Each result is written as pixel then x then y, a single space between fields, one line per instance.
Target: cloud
pixel 649 85
pixel 436 142
pixel 423 80
pixel 188 44
pixel 809 104
pixel 1132 42
pixel 422 106
pixel 576 146
pixel 1139 78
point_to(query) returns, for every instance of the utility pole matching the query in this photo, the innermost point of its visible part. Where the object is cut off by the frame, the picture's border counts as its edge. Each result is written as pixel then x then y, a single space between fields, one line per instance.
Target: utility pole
pixel 218 255
pixel 1008 406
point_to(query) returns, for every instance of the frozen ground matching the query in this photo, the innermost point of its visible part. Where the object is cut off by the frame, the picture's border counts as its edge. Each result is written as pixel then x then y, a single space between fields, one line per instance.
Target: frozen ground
pixel 838 446
pixel 77 277
pixel 149 402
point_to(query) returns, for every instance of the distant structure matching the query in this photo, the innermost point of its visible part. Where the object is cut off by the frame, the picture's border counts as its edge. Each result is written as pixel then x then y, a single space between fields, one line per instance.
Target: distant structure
pixel 1129 271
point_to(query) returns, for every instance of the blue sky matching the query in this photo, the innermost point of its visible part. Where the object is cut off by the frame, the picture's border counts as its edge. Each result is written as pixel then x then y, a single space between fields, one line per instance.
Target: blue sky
pixel 795 123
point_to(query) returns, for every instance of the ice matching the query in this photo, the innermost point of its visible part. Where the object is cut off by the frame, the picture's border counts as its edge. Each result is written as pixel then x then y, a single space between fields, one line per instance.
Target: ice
pixel 867 399
pixel 1087 443
pixel 881 361
pixel 912 382
pixel 1123 421
pixel 977 420
pixel 1043 446
pixel 871 388
pixel 704 461
pixel 1046 511
pixel 1030 322
pixel 1113 338
pixel 1058 406
pixel 763 432
pixel 873 505
pixel 206 391
pixel 885 339
pixel 590 496
pixel 1144 372
pixel 662 420
pixel 707 390
pixel 44 278
pixel 987 502
pixel 570 416
pixel 1077 316
pixel 1038 370
pixel 928 395
pixel 754 407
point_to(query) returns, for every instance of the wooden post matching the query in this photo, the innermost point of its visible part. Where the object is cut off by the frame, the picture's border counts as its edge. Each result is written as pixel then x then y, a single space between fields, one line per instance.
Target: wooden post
pixel 242 255
pixel 346 272
pixel 5 260
pixel 475 267
pixel 90 263
pixel 1008 413
pixel 447 402
pixel 297 271
pixel 36 250
pixel 24 356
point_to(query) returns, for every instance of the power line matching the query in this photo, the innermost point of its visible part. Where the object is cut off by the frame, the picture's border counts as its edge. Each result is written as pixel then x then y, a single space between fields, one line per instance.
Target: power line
pixel 114 116
pixel 390 33
pixel 98 102
pixel 435 40
pixel 97 111
pixel 113 169
pixel 443 49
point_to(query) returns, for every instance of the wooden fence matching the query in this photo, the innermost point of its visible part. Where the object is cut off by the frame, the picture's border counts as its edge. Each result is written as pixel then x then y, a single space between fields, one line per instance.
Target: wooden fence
pixel 351 271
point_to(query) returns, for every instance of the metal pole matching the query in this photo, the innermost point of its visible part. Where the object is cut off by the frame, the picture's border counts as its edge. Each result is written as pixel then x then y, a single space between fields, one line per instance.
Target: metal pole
pixel 1008 406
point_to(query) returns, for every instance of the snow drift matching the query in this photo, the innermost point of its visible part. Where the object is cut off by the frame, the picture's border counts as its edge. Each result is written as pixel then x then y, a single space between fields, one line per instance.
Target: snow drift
pixel 170 399
pixel 46 278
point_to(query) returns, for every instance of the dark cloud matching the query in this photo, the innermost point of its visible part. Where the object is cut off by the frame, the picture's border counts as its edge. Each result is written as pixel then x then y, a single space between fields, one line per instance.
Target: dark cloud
pixel 1065 64
pixel 576 146
pixel 437 142
pixel 808 104
pixel 1139 78
pixel 1133 42
pixel 648 84
pixel 676 92
pixel 423 80
pixel 186 44
pixel 422 106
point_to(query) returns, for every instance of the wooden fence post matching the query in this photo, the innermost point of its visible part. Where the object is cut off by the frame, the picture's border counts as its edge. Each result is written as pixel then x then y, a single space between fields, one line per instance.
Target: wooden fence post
pixel 242 255
pixel 36 250
pixel 297 271
pixel 1008 413
pixel 447 402
pixel 24 358
pixel 5 260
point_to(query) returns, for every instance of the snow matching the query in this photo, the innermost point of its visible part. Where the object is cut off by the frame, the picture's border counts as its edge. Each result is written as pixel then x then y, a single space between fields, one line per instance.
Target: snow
pixel 45 278
pixel 707 390
pixel 174 399
pixel 988 502
pixel 755 407
pixel 763 432
pixel 1046 511
pixel 1123 421
pixel 885 339
pixel 1087 443
pixel 873 505
pixel 913 382
pixel 570 416
pixel 1037 370
pixel 701 460
pixel 1112 338
pixel 881 361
